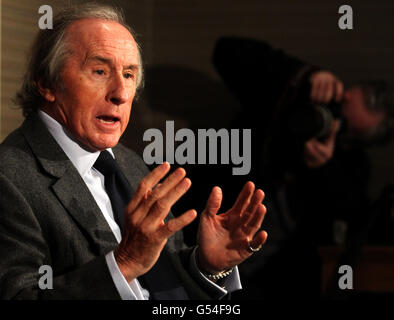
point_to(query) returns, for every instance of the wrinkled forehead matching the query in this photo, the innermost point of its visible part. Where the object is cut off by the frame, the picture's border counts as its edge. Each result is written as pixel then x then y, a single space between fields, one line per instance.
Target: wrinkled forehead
pixel 87 36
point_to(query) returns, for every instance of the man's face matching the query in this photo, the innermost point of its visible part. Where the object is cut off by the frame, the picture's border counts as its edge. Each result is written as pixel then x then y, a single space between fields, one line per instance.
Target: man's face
pixel 360 120
pixel 98 83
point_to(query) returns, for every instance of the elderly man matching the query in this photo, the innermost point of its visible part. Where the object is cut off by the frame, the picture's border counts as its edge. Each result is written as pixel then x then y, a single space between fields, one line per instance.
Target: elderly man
pixel 74 199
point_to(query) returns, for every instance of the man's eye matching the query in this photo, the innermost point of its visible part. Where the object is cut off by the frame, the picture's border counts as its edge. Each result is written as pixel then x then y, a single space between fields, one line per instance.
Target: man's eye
pixel 128 75
pixel 99 72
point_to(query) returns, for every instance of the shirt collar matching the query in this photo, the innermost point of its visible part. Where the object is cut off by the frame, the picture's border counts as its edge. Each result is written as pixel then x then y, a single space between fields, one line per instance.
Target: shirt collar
pixel 82 159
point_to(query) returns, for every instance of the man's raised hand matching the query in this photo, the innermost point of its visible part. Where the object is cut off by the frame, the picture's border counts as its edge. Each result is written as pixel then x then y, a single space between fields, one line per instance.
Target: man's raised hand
pixel 225 239
pixel 325 87
pixel 145 232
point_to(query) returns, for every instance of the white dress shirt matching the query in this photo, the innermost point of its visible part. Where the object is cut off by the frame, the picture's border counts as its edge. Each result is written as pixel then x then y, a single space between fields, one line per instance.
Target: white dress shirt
pixel 83 160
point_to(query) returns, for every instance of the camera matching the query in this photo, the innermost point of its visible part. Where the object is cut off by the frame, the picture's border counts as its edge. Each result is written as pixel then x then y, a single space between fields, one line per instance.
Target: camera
pixel 300 119
pixel 312 120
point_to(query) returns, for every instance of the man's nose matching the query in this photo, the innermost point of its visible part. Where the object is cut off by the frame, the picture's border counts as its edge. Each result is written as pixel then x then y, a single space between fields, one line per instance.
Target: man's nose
pixel 118 91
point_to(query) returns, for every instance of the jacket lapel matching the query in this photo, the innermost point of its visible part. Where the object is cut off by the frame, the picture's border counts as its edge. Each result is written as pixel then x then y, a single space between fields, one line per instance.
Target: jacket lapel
pixel 69 187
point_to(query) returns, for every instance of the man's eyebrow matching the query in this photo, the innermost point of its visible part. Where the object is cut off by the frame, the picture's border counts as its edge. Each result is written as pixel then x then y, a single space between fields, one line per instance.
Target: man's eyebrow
pixel 99 58
pixel 109 61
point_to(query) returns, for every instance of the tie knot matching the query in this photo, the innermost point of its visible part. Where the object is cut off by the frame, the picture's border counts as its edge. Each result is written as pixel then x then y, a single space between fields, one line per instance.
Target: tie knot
pixel 105 163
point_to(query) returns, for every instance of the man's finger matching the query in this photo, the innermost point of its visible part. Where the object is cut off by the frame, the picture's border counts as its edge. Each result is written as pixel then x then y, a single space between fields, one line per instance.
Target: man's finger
pixel 313 148
pixel 146 185
pixel 162 206
pixel 178 223
pixel 315 91
pixel 170 182
pixel 214 202
pixel 338 91
pixel 334 130
pixel 257 198
pixel 309 148
pixel 321 91
pixel 150 197
pixel 329 92
pixel 244 197
pixel 321 150
pixel 259 239
pixel 161 190
pixel 313 154
pixel 255 220
pixel 254 203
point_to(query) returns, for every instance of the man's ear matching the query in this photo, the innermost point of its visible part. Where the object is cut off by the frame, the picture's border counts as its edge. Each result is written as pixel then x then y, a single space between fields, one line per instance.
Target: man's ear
pixel 45 92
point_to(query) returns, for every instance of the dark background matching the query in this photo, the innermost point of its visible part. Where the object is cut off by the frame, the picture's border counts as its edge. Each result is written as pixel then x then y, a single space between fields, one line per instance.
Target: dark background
pixel 178 37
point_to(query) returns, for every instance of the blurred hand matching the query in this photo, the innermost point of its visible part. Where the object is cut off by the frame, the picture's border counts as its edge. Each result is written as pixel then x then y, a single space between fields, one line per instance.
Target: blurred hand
pixel 223 239
pixel 317 153
pixel 325 87
pixel 145 233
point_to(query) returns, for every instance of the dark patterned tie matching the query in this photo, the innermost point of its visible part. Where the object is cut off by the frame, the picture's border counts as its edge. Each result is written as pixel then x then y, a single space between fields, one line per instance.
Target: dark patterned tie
pixel 116 185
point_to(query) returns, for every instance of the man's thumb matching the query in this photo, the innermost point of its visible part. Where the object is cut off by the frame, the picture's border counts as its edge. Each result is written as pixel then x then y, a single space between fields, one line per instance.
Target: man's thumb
pixel 334 129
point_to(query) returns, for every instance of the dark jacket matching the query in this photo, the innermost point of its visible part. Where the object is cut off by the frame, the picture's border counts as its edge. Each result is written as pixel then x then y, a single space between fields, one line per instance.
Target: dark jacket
pixel 49 217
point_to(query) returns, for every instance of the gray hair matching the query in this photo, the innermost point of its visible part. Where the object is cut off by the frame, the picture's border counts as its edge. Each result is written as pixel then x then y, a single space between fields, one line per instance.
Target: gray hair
pixel 49 52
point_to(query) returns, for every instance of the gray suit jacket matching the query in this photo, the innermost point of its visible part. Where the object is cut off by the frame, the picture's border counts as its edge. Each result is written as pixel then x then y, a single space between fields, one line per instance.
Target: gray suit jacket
pixel 49 217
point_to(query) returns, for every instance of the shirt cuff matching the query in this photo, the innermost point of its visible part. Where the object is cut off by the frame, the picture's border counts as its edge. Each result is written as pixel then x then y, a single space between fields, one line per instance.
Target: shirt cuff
pixel 126 291
pixel 229 284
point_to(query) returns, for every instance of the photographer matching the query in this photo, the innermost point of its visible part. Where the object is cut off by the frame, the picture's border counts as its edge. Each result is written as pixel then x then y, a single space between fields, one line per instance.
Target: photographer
pixel 308 137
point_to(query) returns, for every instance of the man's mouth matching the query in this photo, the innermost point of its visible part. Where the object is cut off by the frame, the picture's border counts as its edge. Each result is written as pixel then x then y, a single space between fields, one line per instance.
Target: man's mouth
pixel 107 119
